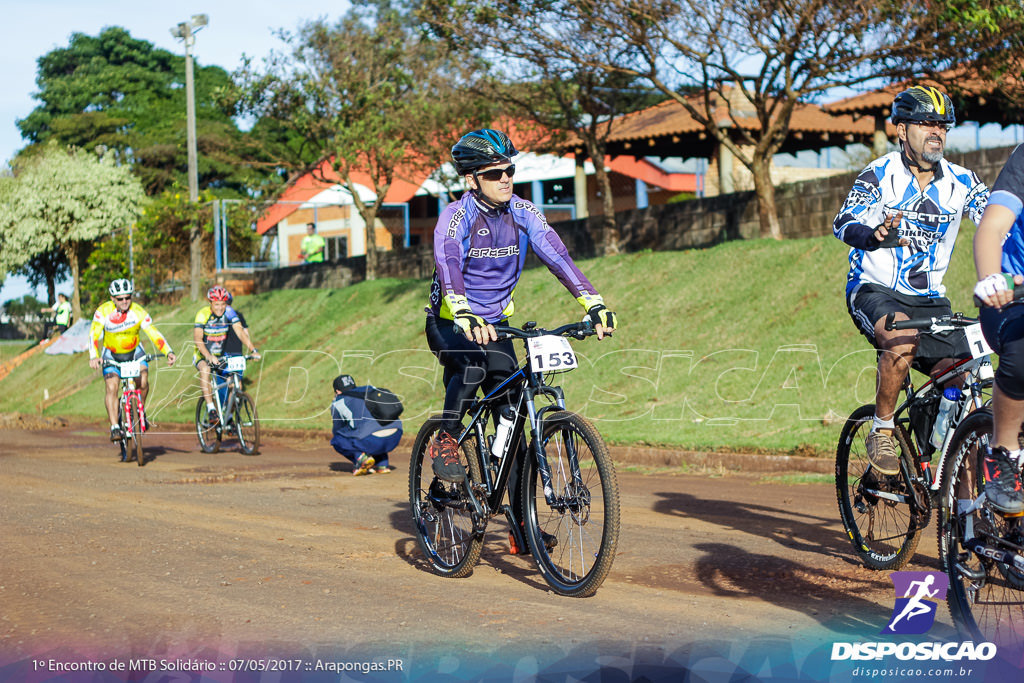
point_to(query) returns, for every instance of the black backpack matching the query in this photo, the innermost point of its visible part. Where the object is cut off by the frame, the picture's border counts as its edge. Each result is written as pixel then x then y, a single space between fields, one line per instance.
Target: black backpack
pixel 382 404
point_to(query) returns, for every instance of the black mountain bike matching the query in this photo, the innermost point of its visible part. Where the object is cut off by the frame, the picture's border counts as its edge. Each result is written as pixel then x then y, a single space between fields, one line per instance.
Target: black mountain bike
pixel 884 515
pixel 981 550
pixel 568 512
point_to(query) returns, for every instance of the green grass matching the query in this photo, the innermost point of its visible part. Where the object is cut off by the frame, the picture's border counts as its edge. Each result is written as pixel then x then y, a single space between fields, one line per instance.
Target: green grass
pixel 745 346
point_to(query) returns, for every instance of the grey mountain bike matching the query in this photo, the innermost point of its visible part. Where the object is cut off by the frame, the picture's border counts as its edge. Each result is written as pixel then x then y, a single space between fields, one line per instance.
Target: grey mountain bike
pixel 236 411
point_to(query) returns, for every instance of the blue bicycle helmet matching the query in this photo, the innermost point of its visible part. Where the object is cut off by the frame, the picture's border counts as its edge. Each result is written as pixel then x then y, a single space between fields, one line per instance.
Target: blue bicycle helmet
pixel 480 148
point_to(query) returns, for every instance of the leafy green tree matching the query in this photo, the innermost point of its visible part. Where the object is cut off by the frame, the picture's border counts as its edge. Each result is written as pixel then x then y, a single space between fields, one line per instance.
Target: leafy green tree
pixel 128 96
pixel 65 200
pixel 546 76
pixel 46 269
pixel 371 94
pixel 755 61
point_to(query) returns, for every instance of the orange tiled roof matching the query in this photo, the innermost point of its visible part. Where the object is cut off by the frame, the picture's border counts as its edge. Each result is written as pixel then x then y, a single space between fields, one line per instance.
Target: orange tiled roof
pixel 403 188
pixel 670 118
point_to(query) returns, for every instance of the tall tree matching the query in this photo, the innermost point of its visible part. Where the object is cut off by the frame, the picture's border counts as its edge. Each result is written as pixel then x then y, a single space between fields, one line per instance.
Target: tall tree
pixel 759 58
pixel 65 200
pixel 128 96
pixel 371 96
pixel 546 75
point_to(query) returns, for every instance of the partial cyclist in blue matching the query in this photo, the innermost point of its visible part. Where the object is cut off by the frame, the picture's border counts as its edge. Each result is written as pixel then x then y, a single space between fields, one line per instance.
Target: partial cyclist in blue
pixel 999 262
pixel 901 220
pixel 480 246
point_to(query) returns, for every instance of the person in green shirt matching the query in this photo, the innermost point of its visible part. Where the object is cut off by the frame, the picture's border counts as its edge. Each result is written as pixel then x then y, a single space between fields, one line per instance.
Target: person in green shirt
pixel 312 245
pixel 61 316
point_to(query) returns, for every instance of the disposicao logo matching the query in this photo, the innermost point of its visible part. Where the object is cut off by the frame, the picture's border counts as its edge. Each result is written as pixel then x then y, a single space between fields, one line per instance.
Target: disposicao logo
pixel 917 598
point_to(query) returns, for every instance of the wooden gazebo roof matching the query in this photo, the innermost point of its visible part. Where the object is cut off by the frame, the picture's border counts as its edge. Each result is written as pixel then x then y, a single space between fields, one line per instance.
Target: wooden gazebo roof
pixel 668 130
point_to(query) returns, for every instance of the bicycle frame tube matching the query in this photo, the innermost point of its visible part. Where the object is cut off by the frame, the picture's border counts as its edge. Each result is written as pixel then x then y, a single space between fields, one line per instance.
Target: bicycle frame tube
pixel 128 392
pixel 532 386
pixel 968 367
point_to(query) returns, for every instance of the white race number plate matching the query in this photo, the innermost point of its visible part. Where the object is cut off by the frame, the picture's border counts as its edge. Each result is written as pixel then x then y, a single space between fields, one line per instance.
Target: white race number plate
pixel 551 353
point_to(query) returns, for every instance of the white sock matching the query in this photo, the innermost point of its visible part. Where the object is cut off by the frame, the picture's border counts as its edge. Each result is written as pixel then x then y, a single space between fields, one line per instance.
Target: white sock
pixel 113 427
pixel 1015 456
pixel 210 406
pixel 879 423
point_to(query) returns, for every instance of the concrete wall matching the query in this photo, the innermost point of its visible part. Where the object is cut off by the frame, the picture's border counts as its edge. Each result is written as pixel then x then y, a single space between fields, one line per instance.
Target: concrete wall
pixel 805 209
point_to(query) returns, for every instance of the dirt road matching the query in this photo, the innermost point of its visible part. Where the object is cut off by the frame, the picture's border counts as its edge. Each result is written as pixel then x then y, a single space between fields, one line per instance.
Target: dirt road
pixel 285 562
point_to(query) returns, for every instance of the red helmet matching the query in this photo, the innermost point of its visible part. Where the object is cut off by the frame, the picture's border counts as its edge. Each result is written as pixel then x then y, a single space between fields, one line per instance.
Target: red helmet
pixel 217 293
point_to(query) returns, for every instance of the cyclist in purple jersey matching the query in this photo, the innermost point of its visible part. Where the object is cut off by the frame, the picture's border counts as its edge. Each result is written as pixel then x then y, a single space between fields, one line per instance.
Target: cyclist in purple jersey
pixel 480 246
pixel 999 261
pixel 901 221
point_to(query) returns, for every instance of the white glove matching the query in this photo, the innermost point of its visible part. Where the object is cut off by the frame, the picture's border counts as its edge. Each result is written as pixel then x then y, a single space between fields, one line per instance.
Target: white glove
pixel 996 282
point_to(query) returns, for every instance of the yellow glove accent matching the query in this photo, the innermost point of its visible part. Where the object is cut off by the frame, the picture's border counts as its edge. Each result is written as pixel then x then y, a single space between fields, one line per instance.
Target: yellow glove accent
pixel 588 301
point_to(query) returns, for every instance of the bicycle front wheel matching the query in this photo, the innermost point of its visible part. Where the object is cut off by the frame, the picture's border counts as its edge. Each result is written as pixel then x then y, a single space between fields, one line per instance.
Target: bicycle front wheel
pixel 441 510
pixel 985 597
pixel 879 511
pixel 247 424
pixel 209 434
pixel 136 422
pixel 573 536
pixel 122 424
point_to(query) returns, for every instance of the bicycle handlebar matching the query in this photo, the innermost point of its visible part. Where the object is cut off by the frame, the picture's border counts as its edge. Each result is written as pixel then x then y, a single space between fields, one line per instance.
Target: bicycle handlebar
pixel 945 321
pixel 146 358
pixel 224 360
pixel 1018 294
pixel 580 330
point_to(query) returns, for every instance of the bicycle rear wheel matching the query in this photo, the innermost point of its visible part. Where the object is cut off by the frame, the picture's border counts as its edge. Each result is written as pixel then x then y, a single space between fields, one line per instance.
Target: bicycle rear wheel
pixel 136 439
pixel 442 511
pixel 573 538
pixel 209 435
pixel 879 511
pixel 985 597
pixel 247 424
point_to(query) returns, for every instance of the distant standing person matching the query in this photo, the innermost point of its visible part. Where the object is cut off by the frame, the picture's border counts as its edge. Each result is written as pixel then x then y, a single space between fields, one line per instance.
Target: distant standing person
pixel 312 245
pixel 61 316
pixel 357 434
pixel 901 220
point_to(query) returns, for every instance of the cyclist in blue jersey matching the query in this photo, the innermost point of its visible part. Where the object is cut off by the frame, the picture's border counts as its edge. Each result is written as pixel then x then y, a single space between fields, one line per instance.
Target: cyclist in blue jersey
pixel 480 245
pixel 901 221
pixel 999 260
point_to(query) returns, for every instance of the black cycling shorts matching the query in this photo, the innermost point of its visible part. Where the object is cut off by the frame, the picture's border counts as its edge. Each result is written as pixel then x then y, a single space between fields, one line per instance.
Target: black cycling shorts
pixel 867 304
pixel 1004 332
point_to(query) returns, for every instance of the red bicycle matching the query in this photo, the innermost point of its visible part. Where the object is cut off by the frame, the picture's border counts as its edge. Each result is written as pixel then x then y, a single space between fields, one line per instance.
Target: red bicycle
pixel 131 414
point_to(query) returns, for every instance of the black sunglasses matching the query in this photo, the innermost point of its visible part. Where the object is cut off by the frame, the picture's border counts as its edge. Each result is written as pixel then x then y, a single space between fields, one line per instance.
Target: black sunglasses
pixel 495 174
pixel 122 298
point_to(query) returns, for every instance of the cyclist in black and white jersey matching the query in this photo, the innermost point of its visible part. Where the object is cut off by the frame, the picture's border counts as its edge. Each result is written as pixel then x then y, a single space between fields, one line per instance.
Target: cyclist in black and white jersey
pixel 901 220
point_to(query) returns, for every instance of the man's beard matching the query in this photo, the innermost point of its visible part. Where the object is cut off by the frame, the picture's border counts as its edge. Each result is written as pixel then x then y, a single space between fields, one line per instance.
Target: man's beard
pixel 932 157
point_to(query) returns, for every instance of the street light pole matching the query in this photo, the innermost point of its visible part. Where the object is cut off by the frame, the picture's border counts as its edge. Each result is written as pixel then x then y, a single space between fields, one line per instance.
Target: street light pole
pixel 186 31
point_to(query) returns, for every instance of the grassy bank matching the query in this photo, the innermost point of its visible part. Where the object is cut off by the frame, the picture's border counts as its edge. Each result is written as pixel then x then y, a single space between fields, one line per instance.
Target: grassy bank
pixel 745 346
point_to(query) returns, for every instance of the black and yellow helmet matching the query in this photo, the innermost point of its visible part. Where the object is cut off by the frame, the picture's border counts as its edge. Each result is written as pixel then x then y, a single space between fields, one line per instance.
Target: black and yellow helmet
pixel 923 104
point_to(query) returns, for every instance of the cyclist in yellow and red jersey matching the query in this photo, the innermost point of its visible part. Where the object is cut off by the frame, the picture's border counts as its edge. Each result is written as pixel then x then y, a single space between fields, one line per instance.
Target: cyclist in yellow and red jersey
pixel 115 336
pixel 210 332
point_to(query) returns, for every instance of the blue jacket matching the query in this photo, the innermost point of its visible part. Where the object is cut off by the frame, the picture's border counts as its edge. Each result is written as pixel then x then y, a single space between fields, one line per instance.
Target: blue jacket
pixel 354 428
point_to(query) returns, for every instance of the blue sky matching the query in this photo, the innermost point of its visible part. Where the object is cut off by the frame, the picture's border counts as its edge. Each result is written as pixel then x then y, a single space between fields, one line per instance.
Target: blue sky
pixel 35 27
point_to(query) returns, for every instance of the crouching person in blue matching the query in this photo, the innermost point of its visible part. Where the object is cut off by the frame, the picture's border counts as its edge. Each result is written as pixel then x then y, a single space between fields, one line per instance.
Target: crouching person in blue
pixel 365 429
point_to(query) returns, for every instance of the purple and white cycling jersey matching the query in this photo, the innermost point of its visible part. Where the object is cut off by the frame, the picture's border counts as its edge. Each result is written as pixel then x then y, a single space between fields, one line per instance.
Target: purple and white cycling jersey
pixel 480 253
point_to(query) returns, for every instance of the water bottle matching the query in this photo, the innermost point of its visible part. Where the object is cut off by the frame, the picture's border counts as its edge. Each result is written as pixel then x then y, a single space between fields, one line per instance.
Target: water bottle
pixel 950 397
pixel 504 430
